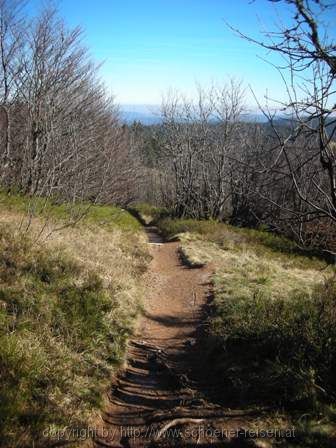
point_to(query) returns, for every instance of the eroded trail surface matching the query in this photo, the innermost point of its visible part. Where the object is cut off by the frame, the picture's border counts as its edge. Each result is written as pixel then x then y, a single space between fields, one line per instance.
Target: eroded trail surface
pixel 154 401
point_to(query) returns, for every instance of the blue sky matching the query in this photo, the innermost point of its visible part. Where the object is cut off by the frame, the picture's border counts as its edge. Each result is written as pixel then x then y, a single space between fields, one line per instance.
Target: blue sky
pixel 149 46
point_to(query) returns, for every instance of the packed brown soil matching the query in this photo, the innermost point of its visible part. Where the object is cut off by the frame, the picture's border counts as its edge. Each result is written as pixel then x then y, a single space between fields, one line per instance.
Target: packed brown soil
pixel 155 401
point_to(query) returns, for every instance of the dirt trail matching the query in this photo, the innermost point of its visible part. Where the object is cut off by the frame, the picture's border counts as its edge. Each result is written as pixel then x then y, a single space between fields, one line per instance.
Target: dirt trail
pixel 155 387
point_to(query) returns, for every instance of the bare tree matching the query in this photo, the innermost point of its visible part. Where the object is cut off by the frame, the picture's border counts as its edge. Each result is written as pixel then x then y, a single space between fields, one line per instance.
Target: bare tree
pixel 62 128
pixel 306 153
pixel 196 140
pixel 11 43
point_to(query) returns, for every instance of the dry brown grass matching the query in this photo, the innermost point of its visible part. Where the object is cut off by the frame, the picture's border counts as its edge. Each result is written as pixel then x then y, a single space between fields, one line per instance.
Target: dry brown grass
pixel 117 257
pixel 244 270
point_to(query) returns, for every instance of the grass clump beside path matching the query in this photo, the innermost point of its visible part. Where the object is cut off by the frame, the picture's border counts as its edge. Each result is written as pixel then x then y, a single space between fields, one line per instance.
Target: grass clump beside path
pixel 271 334
pixel 263 243
pixel 67 308
pixel 274 348
pixel 107 216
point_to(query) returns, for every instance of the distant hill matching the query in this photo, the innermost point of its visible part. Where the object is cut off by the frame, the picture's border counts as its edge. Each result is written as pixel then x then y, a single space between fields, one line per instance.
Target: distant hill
pixel 146 114
pixel 149 114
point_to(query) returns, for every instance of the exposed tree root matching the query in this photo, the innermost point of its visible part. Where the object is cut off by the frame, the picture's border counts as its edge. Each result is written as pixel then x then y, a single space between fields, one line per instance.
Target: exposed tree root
pixel 178 422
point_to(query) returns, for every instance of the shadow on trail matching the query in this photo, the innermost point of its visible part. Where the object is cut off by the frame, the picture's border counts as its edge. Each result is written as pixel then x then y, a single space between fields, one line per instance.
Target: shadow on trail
pixel 159 385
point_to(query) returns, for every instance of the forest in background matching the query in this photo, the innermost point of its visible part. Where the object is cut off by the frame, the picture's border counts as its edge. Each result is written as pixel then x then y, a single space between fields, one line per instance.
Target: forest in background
pixel 205 160
pixel 62 136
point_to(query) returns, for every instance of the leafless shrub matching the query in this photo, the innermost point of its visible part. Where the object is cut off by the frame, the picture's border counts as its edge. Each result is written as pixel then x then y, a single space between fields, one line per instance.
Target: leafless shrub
pixel 196 140
pixel 62 137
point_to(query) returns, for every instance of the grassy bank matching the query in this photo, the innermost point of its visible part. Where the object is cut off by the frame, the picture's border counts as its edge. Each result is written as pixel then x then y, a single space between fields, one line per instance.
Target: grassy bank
pixel 55 213
pixel 67 308
pixel 271 329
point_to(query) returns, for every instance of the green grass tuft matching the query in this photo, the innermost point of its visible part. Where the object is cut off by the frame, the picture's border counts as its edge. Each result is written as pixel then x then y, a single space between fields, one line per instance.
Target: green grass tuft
pixel 62 333
pixel 275 350
pixel 106 216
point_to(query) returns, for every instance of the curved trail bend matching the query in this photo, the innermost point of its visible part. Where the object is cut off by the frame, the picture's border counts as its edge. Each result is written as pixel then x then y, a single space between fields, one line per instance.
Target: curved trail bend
pixel 154 392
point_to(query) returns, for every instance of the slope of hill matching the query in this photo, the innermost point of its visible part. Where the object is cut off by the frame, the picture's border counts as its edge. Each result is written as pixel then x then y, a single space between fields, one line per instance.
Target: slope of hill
pixel 69 297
